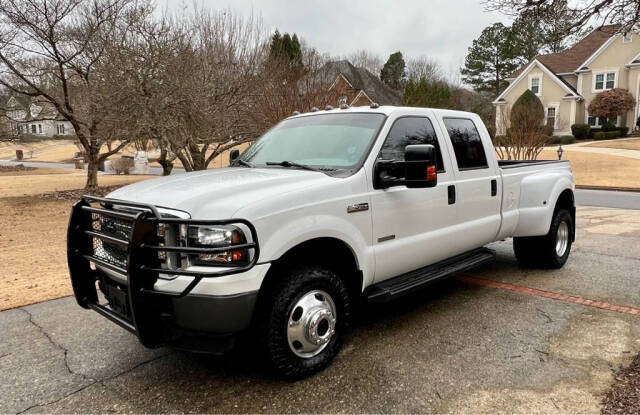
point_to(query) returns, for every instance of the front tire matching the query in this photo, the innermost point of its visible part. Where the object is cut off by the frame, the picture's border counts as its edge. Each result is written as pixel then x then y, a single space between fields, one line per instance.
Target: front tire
pixel 303 320
pixel 548 251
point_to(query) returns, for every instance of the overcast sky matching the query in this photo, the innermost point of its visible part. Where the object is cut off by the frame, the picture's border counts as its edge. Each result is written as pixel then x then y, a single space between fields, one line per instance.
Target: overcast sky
pixel 442 29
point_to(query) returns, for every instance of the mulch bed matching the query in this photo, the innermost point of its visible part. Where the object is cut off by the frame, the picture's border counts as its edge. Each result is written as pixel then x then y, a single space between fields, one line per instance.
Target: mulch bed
pixel 76 194
pixel 624 395
pixel 19 167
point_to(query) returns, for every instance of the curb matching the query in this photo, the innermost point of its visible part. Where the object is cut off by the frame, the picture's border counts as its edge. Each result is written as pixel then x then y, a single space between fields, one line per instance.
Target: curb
pixel 609 188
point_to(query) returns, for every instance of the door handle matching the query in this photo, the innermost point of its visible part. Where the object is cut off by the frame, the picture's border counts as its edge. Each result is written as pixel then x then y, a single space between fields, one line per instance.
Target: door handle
pixel 494 187
pixel 451 190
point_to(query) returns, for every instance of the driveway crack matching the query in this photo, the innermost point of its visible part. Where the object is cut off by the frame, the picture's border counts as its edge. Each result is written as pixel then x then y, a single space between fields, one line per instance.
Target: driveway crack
pixel 93 381
pixel 57 345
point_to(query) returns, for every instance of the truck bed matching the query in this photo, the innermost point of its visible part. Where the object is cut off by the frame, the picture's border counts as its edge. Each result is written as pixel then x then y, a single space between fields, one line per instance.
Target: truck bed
pixel 512 164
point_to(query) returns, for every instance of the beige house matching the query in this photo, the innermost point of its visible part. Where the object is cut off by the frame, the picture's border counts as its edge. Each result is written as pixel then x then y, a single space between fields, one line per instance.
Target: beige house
pixel 34 116
pixel 566 82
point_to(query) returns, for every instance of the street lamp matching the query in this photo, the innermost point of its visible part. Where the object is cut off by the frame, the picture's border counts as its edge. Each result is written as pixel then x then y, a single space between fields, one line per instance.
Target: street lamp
pixel 560 151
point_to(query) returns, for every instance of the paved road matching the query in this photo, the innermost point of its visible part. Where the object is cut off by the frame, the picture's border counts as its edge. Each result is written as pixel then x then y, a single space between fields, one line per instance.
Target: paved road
pixel 455 347
pixel 608 198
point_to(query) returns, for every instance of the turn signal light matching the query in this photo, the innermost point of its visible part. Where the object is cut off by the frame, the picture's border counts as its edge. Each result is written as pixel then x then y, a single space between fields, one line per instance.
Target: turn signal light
pixel 431 172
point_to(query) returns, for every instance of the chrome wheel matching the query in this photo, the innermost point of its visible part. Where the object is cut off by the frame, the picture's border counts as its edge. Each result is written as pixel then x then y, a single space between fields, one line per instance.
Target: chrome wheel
pixel 311 324
pixel 562 238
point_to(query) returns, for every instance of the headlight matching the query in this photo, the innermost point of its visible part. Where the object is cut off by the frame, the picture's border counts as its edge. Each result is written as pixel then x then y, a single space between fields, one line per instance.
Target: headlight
pixel 217 237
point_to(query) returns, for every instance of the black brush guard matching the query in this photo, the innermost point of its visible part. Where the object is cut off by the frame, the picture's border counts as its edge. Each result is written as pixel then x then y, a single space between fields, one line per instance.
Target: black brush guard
pixel 147 308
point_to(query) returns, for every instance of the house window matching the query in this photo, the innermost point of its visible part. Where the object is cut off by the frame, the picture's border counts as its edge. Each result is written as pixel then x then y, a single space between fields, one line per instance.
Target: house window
pixel 598 122
pixel 535 86
pixel 627 37
pixel 551 116
pixel 604 81
pixel 33 128
pixel 39 128
pixel 60 129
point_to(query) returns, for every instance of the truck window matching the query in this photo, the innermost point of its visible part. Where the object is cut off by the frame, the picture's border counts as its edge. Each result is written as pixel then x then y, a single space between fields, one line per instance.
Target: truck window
pixel 467 143
pixel 406 131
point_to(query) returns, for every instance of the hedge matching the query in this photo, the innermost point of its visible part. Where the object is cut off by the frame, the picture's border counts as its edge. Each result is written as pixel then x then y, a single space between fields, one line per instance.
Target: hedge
pixel 606 135
pixel 581 131
pixel 563 139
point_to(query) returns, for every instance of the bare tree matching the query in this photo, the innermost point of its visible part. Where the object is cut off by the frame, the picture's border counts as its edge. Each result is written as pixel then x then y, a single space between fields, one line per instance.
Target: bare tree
pixel 280 95
pixel 59 50
pixel 625 13
pixel 366 59
pixel 218 59
pixel 424 67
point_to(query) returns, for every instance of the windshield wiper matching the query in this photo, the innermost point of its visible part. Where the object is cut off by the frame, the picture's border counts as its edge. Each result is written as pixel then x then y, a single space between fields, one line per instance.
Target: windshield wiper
pixel 287 163
pixel 243 163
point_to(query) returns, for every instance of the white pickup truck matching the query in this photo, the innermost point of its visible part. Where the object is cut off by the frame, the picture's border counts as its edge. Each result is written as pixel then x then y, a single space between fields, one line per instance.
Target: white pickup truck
pixel 326 209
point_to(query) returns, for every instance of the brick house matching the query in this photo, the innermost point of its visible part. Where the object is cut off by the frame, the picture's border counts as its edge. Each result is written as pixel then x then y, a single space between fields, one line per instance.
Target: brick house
pixel 357 86
pixel 568 81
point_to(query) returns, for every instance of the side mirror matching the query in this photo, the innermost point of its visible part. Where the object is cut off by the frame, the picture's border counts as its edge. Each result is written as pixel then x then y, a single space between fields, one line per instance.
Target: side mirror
pixel 233 155
pixel 420 166
pixel 418 170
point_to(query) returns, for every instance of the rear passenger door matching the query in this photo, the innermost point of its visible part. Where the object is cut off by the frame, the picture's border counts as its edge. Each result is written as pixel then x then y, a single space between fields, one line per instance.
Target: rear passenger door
pixel 476 190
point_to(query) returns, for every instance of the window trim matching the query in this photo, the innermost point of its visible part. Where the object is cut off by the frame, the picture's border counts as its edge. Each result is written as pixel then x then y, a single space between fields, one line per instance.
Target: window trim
pixel 539 78
pixel 597 125
pixel 604 72
pixel 555 105
pixel 486 160
pixel 444 169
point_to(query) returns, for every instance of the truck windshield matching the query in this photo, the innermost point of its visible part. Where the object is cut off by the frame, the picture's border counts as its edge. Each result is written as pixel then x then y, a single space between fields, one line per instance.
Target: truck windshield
pixel 324 140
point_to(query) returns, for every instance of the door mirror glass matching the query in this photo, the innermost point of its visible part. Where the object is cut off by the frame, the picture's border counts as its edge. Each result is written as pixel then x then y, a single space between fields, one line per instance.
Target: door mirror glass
pixel 418 170
pixel 420 166
pixel 233 155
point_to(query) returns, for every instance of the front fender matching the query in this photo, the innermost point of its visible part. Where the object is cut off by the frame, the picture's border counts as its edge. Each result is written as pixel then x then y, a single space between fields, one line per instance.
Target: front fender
pixel 539 194
pixel 278 237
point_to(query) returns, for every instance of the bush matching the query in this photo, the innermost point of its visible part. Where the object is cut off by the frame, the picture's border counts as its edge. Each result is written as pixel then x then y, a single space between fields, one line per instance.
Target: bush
pixel 562 139
pixel 609 126
pixel 581 131
pixel 624 131
pixel 122 165
pixel 548 130
pixel 606 135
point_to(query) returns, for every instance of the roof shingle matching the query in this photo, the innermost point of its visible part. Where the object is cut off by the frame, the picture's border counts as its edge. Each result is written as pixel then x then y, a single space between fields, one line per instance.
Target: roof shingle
pixel 570 59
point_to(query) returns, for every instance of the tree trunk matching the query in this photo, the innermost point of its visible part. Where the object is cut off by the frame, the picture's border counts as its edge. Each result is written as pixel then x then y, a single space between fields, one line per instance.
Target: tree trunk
pixel 93 163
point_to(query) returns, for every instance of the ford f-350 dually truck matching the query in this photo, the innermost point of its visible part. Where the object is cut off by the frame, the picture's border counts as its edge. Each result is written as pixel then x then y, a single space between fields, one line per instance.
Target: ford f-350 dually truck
pixel 325 210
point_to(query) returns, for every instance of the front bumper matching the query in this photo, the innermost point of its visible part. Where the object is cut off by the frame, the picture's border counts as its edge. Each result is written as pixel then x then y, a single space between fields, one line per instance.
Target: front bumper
pixel 119 238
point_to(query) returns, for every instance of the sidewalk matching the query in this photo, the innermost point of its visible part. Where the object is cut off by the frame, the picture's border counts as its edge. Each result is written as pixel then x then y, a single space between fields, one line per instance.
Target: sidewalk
pixel 585 148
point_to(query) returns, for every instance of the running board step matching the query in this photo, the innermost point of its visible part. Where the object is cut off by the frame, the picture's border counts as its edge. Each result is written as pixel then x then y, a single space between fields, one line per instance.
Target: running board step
pixel 414 280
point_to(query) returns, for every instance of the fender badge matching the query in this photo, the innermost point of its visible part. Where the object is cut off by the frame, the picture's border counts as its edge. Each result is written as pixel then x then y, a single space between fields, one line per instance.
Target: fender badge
pixel 358 207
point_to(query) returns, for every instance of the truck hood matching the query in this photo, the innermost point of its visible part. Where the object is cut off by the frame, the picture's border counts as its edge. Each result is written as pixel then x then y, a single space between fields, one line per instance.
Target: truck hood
pixel 219 193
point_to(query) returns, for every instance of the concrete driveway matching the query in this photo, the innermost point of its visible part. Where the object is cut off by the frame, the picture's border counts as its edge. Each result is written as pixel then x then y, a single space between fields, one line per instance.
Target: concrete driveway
pixel 530 342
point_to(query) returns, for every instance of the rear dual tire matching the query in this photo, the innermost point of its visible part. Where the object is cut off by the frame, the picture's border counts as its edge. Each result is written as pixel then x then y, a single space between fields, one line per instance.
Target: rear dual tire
pixel 550 250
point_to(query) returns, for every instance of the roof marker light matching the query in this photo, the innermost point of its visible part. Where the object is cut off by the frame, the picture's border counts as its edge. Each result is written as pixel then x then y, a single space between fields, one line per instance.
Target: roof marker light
pixel 314 109
pixel 374 105
pixel 328 108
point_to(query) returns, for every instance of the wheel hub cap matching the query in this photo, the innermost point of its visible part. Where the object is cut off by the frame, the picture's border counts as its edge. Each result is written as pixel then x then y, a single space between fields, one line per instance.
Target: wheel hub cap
pixel 311 324
pixel 562 238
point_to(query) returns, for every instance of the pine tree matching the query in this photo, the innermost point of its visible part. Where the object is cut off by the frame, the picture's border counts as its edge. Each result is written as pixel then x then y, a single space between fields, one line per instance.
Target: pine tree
pixel 393 72
pixel 491 58
pixel 427 93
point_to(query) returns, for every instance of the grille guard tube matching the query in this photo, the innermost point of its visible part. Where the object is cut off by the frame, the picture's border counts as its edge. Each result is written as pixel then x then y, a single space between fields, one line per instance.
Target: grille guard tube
pixel 142 263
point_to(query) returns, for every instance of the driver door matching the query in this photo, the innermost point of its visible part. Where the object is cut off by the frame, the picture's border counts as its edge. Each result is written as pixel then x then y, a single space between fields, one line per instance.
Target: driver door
pixel 412 228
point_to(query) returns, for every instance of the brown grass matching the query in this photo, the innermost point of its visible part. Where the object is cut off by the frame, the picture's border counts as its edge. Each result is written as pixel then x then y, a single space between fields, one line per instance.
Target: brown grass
pixel 33 236
pixel 14 186
pixel 630 144
pixel 37 172
pixel 591 169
